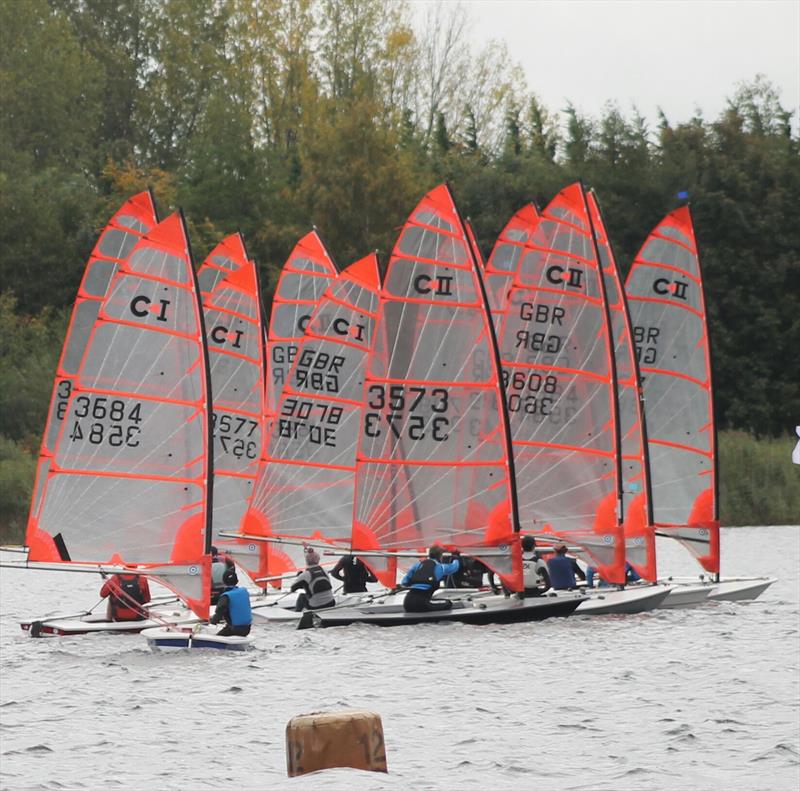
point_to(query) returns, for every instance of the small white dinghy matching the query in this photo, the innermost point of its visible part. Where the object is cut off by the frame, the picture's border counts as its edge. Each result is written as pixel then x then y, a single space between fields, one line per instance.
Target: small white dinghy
pixel 162 610
pixel 166 638
pixel 683 596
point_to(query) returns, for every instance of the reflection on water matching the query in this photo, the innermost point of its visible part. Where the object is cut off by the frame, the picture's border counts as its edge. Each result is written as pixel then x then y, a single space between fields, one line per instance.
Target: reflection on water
pixel 698 699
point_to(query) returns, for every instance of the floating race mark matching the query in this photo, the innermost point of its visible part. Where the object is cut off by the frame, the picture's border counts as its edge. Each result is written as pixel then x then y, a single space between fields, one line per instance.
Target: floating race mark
pixel 668 315
pixel 640 542
pixel 548 298
pixel 124 477
pixel 306 274
pixel 235 329
pixel 305 483
pixel 433 460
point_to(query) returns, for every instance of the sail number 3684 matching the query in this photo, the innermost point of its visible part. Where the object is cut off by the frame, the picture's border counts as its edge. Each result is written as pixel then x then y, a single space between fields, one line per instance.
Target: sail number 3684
pixel 100 419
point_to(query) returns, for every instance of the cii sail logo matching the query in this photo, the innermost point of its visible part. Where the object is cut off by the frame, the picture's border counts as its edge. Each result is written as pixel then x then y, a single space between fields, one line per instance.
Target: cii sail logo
pixel 665 287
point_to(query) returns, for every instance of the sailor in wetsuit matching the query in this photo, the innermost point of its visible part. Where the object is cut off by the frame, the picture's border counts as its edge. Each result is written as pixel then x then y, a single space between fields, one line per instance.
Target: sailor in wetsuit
pixel 423 579
pixel 353 573
pixel 317 590
pixel 535 576
pixel 219 565
pixel 233 607
pixel 127 595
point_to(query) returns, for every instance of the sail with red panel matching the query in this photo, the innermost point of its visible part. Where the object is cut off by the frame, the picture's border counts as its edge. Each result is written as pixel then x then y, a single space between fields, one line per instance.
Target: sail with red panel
pixel 308 271
pixel 234 323
pixel 135 218
pixel 123 478
pixel 640 540
pixel 548 294
pixel 434 462
pixel 668 314
pixel 305 483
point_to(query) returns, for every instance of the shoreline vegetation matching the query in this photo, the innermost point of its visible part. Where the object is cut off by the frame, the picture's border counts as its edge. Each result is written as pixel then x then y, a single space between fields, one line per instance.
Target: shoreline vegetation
pixel 269 118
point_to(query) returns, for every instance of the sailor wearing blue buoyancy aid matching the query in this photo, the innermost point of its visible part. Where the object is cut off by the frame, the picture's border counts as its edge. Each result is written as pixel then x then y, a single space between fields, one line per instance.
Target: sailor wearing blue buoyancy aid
pixel 423 579
pixel 233 607
pixel 559 566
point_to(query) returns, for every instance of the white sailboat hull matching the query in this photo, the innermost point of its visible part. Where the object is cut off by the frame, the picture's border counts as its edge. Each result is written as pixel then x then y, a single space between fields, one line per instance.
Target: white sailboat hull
pixel 628 601
pixel 168 638
pixel 727 589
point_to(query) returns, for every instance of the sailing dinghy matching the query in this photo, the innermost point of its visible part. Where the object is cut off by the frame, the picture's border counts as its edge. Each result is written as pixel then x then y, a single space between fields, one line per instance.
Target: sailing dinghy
pixel 122 483
pixel 434 462
pixel 670 330
pixel 304 492
pixel 234 324
pixel 640 540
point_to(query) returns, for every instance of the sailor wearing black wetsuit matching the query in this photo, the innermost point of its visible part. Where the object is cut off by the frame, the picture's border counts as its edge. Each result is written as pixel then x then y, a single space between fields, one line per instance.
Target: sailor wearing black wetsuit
pixel 317 590
pixel 233 607
pixel 353 573
pixel 423 579
pixel 535 576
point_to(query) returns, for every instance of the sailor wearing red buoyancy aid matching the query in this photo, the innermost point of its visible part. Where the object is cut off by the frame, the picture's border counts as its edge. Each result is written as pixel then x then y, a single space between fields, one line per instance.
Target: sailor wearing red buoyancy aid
pixel 423 579
pixel 233 607
pixel 127 595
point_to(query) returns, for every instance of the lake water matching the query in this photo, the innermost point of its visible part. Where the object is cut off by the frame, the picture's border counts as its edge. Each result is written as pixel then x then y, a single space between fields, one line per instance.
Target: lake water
pixel 670 700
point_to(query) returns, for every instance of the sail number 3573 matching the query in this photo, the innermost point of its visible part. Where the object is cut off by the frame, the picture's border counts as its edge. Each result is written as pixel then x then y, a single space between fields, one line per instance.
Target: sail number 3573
pixel 397 403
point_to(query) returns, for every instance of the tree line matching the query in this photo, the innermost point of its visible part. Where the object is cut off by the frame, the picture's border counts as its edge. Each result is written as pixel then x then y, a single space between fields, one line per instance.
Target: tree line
pixel 269 116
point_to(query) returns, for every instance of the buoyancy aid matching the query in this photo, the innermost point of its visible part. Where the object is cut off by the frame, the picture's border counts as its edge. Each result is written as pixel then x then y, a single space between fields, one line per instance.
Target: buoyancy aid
pixel 530 569
pixel 218 566
pixel 125 599
pixel 239 611
pixel 425 574
pixel 319 587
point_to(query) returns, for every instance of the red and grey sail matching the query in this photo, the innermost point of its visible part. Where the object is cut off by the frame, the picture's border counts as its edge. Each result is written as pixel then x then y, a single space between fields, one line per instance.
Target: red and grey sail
pixel 234 323
pixel 434 462
pixel 668 314
pixel 306 275
pixel 640 542
pixel 546 287
pixel 124 477
pixel 305 484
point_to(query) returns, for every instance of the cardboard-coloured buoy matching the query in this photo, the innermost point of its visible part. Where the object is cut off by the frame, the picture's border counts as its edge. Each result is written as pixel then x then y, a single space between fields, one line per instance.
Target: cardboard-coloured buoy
pixel 324 740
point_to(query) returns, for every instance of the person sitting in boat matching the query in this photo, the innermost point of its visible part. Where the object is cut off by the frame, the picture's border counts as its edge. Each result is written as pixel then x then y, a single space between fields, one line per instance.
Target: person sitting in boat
pixel 317 592
pixel 534 570
pixel 423 578
pixel 219 564
pixel 353 572
pixel 591 573
pixel 562 569
pixel 233 607
pixel 470 575
pixel 127 595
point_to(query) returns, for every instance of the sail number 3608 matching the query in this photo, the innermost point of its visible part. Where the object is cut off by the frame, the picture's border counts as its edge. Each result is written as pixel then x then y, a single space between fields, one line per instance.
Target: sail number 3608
pixel 399 399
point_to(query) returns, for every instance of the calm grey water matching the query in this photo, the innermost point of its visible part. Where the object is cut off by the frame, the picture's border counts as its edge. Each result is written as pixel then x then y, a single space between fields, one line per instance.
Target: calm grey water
pixel 693 699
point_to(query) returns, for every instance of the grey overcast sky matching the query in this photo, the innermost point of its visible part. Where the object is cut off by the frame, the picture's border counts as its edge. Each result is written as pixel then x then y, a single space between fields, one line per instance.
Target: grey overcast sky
pixel 676 54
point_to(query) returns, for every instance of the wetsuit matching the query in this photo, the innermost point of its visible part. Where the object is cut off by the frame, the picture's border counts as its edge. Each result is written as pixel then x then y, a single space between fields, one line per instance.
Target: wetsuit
pixel 318 592
pixel 233 607
pixel 534 575
pixel 423 579
pixel 219 564
pixel 128 593
pixel 353 573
